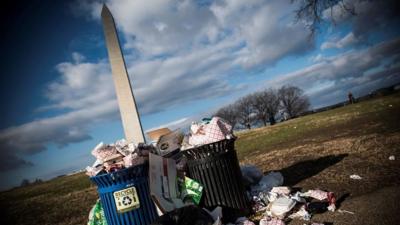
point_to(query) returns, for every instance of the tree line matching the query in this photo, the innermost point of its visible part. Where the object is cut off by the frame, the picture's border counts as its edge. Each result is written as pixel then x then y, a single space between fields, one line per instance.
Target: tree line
pixel 265 107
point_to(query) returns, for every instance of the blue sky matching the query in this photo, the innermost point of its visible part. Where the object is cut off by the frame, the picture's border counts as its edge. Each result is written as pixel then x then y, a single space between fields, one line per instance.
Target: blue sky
pixel 185 58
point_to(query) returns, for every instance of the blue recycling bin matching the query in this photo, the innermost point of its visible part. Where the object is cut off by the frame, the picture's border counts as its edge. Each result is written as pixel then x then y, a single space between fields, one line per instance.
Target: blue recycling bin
pixel 125 196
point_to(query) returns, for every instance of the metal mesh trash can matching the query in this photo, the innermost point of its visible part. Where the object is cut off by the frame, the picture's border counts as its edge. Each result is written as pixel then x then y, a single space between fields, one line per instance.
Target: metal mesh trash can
pixel 216 166
pixel 125 196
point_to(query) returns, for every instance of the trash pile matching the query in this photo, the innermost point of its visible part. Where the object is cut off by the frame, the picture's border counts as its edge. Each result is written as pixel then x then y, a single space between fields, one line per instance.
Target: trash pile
pixel 279 204
pixel 207 131
pixel 114 157
pixel 179 198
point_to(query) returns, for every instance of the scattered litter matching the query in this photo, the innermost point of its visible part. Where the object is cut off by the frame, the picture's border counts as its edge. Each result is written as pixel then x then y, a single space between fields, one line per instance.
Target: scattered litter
pixel 271 221
pixel 345 211
pixel 297 197
pixel 281 190
pixel 96 215
pixel 392 157
pixel 321 196
pixel 281 206
pixel 355 177
pixel 272 179
pixel 301 214
pixel 251 174
pixel 317 194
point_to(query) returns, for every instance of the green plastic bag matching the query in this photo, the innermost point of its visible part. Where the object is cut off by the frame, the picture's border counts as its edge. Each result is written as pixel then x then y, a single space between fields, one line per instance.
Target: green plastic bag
pixel 96 215
pixel 192 189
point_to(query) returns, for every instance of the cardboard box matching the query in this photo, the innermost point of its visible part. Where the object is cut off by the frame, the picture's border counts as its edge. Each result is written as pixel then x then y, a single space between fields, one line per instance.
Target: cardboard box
pixel 170 142
pixel 163 183
pixel 156 134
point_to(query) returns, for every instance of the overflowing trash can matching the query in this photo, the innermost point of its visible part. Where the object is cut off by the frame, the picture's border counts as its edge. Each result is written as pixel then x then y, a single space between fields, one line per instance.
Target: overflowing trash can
pixel 216 166
pixel 125 196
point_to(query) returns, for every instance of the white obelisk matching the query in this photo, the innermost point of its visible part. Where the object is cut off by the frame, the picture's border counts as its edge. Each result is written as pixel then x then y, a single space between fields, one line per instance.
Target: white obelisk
pixel 126 101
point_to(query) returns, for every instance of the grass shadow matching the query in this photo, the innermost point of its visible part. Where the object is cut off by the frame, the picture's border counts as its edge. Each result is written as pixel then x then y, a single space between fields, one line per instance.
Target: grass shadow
pixel 308 168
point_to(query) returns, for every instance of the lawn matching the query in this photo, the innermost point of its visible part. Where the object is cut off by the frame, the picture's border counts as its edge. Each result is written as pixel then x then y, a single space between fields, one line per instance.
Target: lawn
pixel 315 151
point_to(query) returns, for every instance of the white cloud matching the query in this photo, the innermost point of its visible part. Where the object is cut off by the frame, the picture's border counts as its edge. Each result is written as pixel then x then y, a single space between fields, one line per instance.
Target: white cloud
pixel 317 58
pixel 361 71
pixel 171 125
pixel 264 30
pixel 81 85
pixel 346 41
pixel 61 130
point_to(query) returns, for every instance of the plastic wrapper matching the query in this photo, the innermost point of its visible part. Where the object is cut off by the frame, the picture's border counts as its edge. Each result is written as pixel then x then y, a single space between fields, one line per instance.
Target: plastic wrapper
pixel 271 221
pixel 192 189
pixel 251 174
pixel 297 197
pixel 281 190
pixel 316 194
pixel 96 215
pixel 322 196
pixel 272 179
pixel 281 206
pixel 302 213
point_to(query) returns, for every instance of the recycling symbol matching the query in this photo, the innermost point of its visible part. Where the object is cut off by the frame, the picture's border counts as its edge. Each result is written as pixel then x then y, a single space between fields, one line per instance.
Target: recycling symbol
pixel 126 200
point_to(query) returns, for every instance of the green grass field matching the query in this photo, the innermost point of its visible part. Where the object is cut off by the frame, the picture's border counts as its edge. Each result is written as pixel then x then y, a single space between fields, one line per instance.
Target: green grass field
pixel 315 151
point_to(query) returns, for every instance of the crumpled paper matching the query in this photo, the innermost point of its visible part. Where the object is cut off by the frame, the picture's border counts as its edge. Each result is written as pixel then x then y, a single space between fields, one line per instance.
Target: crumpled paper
pixel 117 156
pixel 271 221
pixel 208 132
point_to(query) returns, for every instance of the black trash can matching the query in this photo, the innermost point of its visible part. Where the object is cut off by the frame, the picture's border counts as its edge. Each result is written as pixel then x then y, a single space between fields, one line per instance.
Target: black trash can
pixel 216 166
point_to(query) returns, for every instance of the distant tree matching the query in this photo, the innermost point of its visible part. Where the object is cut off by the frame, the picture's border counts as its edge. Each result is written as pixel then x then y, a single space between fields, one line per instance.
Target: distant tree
pixel 245 111
pixel 25 182
pixel 37 181
pixel 266 105
pixel 272 103
pixel 260 106
pixel 293 101
pixel 229 114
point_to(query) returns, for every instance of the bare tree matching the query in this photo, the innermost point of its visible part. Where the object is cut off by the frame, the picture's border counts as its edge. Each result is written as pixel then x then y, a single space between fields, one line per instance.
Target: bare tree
pixel 272 104
pixel 229 114
pixel 245 111
pixel 259 104
pixel 293 101
pixel 311 11
pixel 25 182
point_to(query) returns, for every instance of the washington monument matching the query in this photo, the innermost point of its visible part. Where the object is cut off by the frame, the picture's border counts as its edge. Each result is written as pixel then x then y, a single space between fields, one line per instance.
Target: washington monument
pixel 126 101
